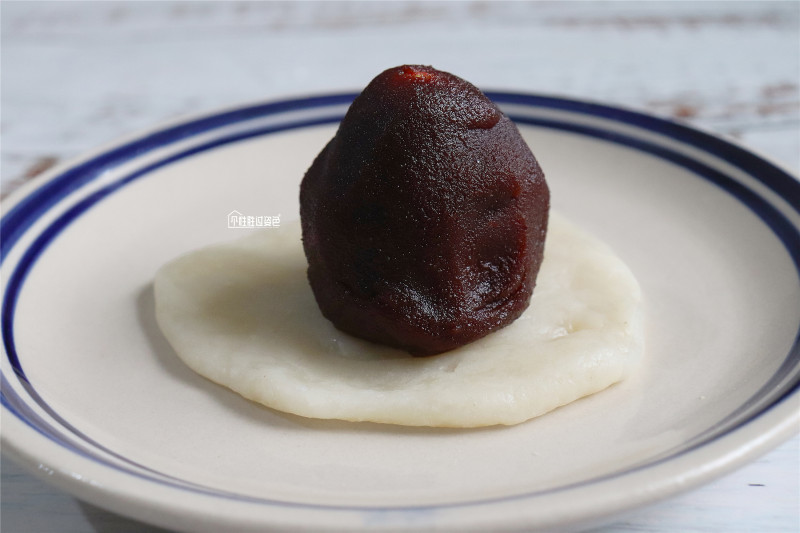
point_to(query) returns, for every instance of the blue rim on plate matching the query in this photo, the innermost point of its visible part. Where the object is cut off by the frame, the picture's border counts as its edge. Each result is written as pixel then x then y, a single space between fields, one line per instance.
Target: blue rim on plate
pixel 30 209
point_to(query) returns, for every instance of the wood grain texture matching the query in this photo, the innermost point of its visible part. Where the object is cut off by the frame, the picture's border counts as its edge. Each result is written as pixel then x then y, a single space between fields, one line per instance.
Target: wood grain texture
pixel 77 75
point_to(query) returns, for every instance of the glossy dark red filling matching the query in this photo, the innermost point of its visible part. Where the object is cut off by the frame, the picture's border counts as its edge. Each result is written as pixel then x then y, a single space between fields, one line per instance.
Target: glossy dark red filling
pixel 424 218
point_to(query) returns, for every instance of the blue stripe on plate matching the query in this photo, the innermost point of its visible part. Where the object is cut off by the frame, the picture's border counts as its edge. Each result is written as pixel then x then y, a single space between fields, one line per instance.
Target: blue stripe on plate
pixel 30 209
pixel 16 221
pixel 776 179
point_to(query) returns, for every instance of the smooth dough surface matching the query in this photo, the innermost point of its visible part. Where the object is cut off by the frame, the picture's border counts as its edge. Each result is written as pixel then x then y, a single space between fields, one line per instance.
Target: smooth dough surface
pixel 242 314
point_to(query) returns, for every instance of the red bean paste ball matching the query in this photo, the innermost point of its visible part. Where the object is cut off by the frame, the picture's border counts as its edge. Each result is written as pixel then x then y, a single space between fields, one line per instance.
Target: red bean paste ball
pixel 424 218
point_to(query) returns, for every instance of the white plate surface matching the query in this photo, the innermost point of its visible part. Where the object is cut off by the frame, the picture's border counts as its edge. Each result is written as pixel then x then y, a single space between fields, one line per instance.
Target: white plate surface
pixel 96 401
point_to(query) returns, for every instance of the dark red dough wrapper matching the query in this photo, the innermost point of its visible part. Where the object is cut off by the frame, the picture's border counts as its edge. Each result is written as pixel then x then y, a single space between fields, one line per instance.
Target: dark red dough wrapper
pixel 424 218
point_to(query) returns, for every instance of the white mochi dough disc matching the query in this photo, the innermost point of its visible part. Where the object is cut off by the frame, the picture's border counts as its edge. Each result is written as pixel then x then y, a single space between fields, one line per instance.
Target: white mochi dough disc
pixel 243 315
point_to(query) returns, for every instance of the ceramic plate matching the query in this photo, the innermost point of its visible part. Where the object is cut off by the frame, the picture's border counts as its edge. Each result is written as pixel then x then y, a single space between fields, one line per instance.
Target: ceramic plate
pixel 96 401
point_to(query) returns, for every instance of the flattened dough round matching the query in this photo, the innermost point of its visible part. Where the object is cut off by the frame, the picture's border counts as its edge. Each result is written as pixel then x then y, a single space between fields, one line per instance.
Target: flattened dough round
pixel 242 314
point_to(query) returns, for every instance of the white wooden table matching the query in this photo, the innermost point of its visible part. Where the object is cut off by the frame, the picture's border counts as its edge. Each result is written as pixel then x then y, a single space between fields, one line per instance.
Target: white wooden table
pixel 78 75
